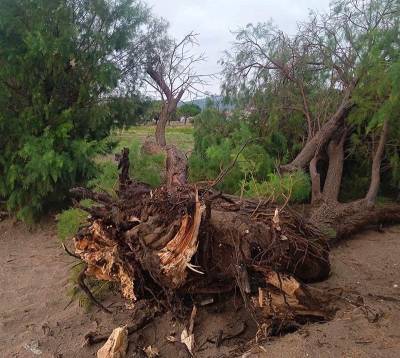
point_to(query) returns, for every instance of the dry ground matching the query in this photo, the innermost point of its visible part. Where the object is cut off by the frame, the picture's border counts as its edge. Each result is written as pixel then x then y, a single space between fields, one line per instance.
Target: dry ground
pixel 34 307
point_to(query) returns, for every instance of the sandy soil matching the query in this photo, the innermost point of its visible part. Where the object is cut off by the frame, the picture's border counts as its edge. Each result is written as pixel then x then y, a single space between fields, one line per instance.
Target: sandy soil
pixel 34 310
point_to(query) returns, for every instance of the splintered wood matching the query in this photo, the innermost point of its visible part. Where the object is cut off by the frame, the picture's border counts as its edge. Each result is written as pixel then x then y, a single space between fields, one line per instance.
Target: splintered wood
pixel 181 242
pixel 103 259
pixel 116 345
pixel 284 298
pixel 176 255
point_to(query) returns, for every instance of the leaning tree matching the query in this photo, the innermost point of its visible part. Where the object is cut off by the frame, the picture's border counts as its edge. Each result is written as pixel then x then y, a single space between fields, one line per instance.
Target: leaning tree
pixel 328 73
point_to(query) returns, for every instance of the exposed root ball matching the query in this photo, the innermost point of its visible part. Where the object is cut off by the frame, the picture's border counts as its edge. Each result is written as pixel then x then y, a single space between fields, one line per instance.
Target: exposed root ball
pixel 180 240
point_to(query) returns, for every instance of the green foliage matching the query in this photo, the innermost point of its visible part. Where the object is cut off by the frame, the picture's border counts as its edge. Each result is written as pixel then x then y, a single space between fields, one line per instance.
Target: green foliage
pixel 106 178
pixel 145 167
pixel 218 140
pixel 377 99
pixel 56 66
pixel 127 111
pixel 291 85
pixel 188 110
pixel 68 223
pixel 294 188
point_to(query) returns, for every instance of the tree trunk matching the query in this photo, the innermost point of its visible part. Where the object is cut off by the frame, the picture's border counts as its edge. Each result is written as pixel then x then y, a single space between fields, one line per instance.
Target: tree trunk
pixel 193 241
pixel 168 108
pixel 176 167
pixel 335 169
pixel 160 127
pixel 316 195
pixel 322 137
pixel 183 242
pixel 345 219
pixel 376 167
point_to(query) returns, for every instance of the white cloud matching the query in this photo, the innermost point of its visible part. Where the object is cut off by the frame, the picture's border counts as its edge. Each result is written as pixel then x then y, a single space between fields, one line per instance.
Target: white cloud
pixel 215 19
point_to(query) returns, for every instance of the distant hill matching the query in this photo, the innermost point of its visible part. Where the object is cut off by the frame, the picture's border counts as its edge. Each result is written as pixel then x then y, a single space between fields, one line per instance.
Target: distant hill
pixel 216 99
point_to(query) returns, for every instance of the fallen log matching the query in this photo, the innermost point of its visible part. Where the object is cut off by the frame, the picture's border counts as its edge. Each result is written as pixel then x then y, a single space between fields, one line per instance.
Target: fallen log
pixel 182 241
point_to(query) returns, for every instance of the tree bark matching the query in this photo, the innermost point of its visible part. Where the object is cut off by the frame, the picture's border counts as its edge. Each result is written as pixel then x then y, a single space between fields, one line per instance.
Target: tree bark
pixel 160 127
pixel 376 167
pixel 170 102
pixel 365 218
pixel 335 169
pixel 322 137
pixel 315 180
pixel 176 167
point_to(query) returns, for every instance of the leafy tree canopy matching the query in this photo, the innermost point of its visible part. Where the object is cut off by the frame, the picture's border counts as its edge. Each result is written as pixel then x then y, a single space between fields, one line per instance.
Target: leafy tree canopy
pixel 188 110
pixel 341 67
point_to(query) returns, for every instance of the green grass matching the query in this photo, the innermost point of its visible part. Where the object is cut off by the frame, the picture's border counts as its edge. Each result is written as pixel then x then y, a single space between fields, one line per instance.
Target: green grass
pixel 144 167
pixel 179 135
pixel 69 221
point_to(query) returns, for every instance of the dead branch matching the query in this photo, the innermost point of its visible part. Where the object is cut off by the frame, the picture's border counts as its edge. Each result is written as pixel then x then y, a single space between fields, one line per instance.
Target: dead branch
pixel 69 252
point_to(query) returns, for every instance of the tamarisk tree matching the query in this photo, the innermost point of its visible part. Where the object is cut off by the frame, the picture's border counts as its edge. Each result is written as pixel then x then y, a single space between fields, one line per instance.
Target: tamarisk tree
pixel 326 74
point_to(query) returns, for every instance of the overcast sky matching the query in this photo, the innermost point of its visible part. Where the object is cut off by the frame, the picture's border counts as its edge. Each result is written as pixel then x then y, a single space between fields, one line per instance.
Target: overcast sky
pixel 214 19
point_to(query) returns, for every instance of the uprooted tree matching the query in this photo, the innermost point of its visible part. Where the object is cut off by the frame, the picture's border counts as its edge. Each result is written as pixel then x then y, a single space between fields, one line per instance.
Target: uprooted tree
pixel 181 241
pixel 184 242
pixel 338 74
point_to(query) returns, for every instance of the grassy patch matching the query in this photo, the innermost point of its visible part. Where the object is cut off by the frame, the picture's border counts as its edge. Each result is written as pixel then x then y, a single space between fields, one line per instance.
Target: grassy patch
pixel 181 136
pixel 144 167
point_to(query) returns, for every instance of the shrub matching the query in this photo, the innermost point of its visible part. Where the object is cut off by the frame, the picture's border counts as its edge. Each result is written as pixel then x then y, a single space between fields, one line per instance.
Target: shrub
pixel 294 187
pixel 218 140
pixel 107 177
pixel 55 69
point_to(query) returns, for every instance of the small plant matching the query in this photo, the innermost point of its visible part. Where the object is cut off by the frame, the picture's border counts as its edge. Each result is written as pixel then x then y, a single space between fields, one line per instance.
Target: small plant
pixel 294 187
pixel 107 178
pixel 68 223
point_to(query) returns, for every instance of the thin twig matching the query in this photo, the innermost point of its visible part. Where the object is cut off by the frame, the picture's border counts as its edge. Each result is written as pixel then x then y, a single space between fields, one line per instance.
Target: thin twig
pixel 226 171
pixel 85 289
pixel 69 252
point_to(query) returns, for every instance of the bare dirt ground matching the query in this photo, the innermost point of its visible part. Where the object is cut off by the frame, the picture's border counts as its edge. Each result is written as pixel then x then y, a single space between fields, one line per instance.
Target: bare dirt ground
pixel 34 310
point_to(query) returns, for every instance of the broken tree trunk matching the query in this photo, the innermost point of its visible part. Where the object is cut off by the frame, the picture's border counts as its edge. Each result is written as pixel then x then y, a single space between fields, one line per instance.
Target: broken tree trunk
pixel 181 241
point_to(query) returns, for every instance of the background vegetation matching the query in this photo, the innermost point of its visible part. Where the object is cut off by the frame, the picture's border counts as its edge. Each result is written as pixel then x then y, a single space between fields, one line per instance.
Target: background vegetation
pixel 70 97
